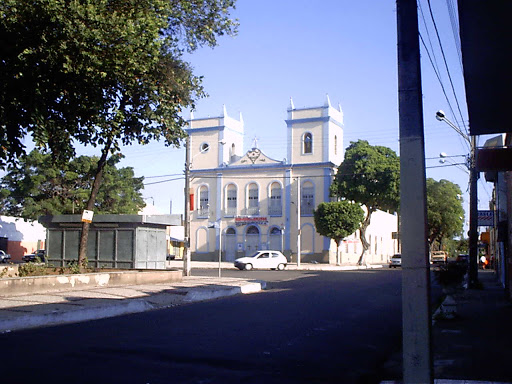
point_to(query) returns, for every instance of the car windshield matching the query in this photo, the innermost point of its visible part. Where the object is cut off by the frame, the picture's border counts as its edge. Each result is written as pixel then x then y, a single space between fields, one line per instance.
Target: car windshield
pixel 397 257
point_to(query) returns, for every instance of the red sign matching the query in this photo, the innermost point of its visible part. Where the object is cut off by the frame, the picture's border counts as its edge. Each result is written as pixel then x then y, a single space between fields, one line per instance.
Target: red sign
pixel 239 221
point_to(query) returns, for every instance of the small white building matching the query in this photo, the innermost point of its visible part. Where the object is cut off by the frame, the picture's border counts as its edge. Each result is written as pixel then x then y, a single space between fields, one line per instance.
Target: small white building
pixel 244 202
pixel 19 237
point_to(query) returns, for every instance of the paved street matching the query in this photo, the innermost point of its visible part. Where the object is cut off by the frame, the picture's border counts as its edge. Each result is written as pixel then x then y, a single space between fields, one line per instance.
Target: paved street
pixel 308 327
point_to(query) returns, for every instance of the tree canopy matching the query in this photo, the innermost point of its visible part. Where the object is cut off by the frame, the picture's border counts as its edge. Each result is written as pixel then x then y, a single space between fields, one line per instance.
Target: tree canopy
pixel 369 175
pixel 445 214
pixel 36 187
pixel 100 72
pixel 338 220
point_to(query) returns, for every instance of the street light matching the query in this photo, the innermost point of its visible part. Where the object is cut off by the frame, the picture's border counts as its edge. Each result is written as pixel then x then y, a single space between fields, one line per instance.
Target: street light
pixel 445 158
pixel 473 202
pixel 442 117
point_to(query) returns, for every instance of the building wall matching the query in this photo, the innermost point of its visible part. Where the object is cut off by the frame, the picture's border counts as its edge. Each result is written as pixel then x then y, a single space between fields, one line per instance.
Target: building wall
pixel 23 237
pixel 252 203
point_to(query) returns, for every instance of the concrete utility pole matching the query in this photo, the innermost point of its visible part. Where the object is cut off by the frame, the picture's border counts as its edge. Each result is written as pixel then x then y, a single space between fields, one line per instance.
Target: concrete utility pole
pixel 416 314
pixel 186 250
pixel 473 218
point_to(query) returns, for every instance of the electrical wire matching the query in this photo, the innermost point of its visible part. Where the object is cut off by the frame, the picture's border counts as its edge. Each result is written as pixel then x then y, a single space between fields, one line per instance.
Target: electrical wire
pixel 446 66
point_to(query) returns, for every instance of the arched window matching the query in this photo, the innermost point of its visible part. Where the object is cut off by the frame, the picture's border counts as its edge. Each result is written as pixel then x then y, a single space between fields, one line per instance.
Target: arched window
pixel 275 207
pixel 307 143
pixel 230 231
pixel 253 205
pixel 275 231
pixel 253 230
pixel 203 201
pixel 335 144
pixel 307 202
pixel 231 200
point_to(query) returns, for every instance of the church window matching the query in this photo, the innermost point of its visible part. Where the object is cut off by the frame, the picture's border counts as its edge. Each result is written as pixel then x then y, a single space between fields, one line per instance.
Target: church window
pixel 253 200
pixel 275 208
pixel 307 203
pixel 204 147
pixel 231 201
pixel 203 201
pixel 308 143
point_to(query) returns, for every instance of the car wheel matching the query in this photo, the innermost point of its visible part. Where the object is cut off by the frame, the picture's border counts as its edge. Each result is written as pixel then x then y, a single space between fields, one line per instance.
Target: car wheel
pixel 248 267
pixel 280 267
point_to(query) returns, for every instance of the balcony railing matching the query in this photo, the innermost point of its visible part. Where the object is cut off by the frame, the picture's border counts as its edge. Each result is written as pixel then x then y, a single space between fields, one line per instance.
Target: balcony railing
pixel 253 210
pixel 275 210
pixel 230 211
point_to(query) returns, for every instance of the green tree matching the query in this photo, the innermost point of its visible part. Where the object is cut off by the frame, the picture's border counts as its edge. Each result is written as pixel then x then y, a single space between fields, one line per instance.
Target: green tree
pixel 37 187
pixel 445 214
pixel 100 72
pixel 338 220
pixel 369 175
pixel 456 247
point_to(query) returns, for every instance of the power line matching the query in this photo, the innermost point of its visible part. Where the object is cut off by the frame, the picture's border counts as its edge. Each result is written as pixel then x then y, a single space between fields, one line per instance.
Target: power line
pixel 446 65
pixel 164 181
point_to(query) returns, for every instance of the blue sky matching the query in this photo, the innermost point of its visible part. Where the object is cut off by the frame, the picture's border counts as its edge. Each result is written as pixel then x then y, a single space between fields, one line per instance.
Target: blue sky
pixel 305 50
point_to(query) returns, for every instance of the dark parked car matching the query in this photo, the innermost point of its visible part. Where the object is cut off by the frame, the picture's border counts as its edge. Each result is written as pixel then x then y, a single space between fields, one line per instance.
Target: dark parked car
pixel 462 259
pixel 40 253
pixel 4 257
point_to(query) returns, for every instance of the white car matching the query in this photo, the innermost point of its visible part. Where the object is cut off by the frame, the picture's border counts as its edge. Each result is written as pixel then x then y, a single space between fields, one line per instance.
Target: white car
pixel 262 259
pixel 395 261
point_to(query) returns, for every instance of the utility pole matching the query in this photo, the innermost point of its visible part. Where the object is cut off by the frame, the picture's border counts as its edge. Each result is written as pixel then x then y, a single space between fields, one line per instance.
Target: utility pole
pixel 473 201
pixel 220 247
pixel 186 251
pixel 298 221
pixel 473 218
pixel 416 314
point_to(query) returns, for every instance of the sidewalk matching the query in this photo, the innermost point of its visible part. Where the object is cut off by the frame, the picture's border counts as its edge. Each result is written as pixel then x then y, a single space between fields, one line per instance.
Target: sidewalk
pixel 59 307
pixel 477 344
pixel 475 347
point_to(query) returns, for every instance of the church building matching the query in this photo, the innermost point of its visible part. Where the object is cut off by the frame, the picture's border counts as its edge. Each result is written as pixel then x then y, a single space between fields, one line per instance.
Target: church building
pixel 242 202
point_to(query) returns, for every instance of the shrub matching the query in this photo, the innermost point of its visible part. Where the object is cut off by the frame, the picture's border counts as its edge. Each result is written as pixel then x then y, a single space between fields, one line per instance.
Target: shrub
pixel 451 274
pixel 32 269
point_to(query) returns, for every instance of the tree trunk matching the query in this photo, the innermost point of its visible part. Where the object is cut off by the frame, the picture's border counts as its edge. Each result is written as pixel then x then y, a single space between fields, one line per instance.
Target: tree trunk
pixel 364 242
pixel 82 253
pixel 338 259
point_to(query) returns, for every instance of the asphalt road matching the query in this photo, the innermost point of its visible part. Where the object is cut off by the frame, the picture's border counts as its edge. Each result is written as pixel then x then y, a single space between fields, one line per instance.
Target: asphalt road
pixel 308 327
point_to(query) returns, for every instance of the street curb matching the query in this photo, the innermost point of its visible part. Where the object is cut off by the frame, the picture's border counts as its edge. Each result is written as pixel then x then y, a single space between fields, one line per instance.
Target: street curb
pixel 201 294
pixel 75 316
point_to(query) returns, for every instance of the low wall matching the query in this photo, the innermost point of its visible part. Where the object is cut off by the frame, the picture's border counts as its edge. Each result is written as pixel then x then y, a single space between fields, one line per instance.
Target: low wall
pixel 39 284
pixel 8 270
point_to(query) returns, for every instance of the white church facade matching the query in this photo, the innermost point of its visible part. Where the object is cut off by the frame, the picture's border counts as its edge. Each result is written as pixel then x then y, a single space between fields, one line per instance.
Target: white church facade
pixel 242 202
